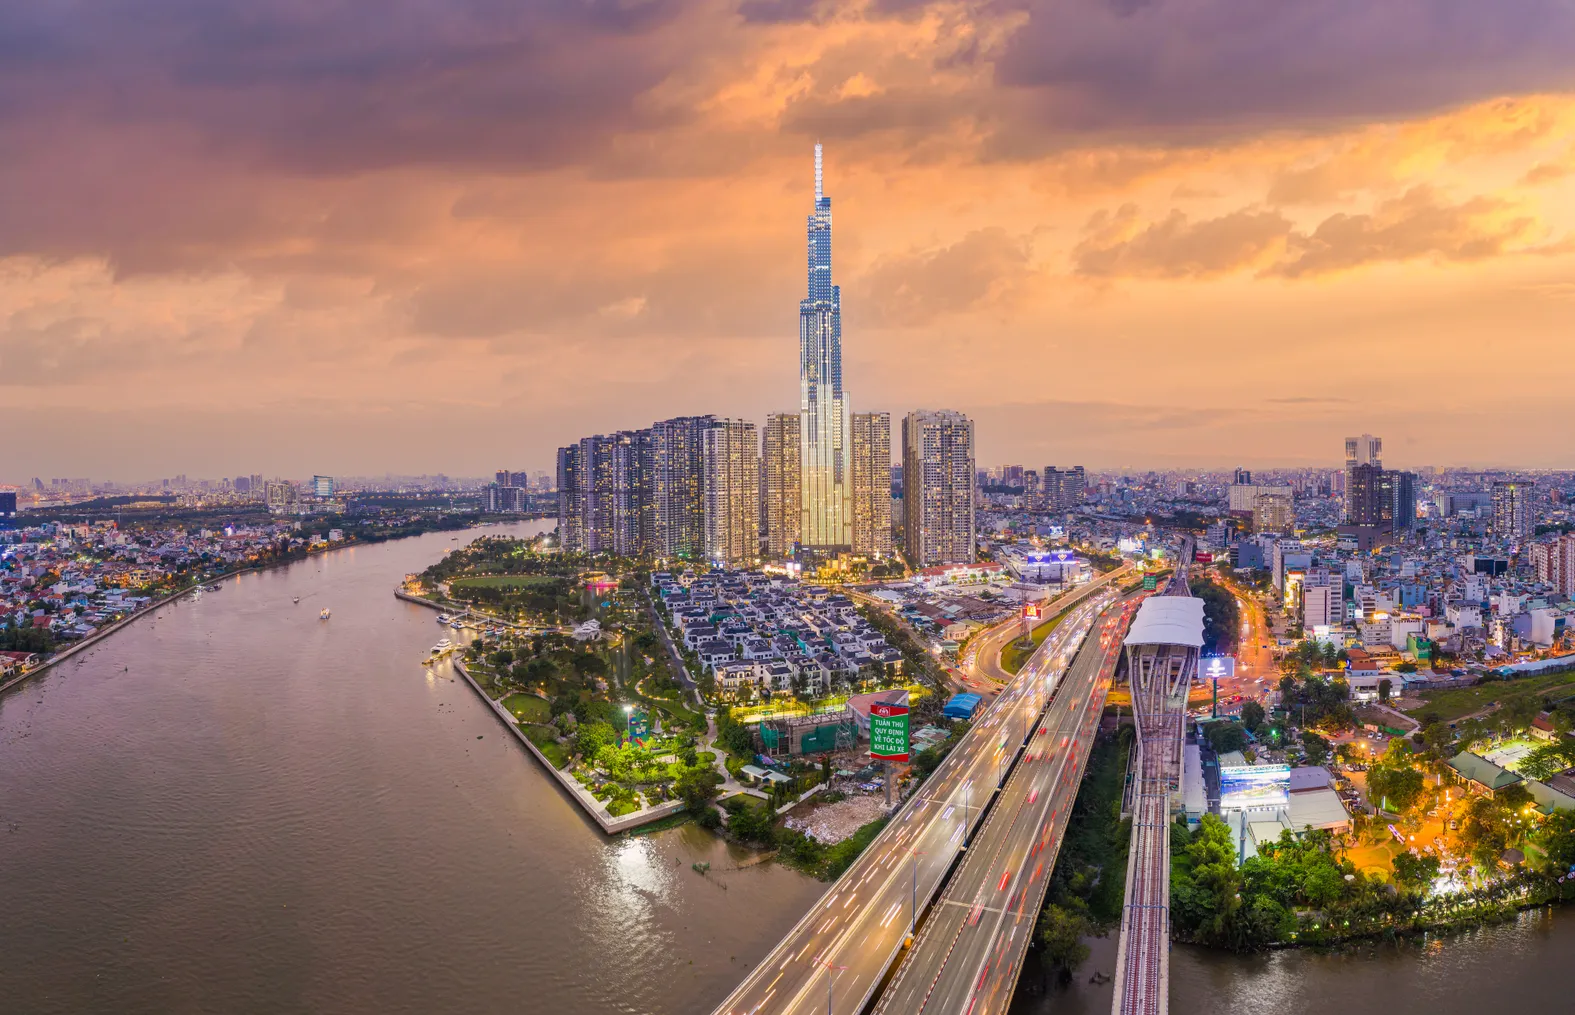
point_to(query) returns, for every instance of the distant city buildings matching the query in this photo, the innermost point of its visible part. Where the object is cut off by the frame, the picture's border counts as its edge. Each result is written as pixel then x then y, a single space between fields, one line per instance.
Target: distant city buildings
pixel 323 487
pixel 938 494
pixel 1063 489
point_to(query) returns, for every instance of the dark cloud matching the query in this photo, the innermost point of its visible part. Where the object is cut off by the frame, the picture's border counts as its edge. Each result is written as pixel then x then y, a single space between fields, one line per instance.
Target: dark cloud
pixel 326 86
pixel 915 288
pixel 1199 67
pixel 772 12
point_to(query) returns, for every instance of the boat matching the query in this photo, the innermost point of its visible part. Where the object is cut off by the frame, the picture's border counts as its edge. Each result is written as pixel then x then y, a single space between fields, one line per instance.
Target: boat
pixel 442 618
pixel 213 588
pixel 296 599
pixel 443 645
pixel 324 615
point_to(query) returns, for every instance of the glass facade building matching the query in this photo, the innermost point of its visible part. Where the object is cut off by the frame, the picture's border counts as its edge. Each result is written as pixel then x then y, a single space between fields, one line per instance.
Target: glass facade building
pixel 825 460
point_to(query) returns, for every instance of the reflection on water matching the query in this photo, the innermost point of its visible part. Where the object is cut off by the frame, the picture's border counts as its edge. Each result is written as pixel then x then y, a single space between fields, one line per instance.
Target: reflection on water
pixel 234 806
pixel 1527 962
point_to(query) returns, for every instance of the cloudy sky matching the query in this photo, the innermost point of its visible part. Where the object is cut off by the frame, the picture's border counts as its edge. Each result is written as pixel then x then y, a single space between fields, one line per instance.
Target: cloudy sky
pixel 289 236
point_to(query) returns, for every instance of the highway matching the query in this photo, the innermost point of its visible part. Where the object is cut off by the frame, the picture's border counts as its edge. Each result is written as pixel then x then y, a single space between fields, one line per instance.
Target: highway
pixel 833 958
pixel 967 958
pixel 984 652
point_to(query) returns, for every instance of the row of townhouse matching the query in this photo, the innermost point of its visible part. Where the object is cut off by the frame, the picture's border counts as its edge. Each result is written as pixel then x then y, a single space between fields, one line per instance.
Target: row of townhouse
pixel 767 632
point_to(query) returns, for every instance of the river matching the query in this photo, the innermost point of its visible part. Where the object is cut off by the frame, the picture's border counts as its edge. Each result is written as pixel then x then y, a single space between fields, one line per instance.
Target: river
pixel 235 807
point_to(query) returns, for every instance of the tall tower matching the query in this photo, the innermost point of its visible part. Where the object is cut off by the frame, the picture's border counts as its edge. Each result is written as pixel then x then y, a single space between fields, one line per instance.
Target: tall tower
pixel 1363 450
pixel 825 462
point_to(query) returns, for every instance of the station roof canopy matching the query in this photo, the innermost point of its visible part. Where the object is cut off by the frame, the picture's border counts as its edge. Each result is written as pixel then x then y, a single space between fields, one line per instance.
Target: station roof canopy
pixel 1168 620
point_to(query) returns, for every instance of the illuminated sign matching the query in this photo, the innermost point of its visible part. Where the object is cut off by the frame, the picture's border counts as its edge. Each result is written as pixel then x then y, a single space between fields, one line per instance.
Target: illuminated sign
pixel 1247 787
pixel 1030 611
pixel 1217 667
pixel 1150 583
pixel 889 732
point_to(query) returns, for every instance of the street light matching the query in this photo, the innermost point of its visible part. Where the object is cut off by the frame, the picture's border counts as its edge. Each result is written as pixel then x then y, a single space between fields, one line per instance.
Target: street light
pixel 830 979
pixel 628 720
pixel 913 905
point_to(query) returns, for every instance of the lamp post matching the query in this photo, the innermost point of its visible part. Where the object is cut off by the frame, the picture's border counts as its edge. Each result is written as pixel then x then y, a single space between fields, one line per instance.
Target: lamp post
pixel 913 904
pixel 628 720
pixel 830 980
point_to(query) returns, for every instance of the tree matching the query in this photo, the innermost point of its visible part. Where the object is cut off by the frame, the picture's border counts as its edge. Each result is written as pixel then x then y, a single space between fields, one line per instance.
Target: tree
pixel 1252 715
pixel 1413 872
pixel 1394 786
pixel 1061 931
pixel 1316 748
pixel 592 737
pixel 1384 687
pixel 1557 839
pixel 1225 737
pixel 697 787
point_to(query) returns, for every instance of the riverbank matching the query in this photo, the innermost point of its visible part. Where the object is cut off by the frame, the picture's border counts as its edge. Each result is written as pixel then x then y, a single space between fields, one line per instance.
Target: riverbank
pixel 593 807
pixel 104 632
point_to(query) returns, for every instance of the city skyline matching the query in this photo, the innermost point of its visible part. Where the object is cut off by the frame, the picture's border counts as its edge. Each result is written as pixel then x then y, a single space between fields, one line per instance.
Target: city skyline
pixel 1207 264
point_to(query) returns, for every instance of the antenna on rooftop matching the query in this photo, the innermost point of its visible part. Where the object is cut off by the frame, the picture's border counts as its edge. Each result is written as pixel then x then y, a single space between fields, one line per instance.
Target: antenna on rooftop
pixel 819 190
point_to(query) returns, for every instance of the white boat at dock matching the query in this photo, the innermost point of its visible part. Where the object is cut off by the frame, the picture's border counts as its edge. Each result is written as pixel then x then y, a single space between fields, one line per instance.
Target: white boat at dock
pixel 442 618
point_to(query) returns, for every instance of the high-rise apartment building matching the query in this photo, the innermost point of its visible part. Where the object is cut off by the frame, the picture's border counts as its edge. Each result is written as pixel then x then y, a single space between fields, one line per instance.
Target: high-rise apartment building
pixel 1273 510
pixel 872 483
pixel 1370 497
pixel 1063 488
pixel 1323 604
pixel 782 490
pixel 1511 509
pixel 825 459
pixel 1363 450
pixel 731 485
pixel 570 537
pixel 678 487
pixel 1402 487
pixel 938 487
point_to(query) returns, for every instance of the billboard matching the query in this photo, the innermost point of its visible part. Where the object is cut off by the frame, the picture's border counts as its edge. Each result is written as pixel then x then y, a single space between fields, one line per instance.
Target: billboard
pixel 1217 667
pixel 889 732
pixel 1150 583
pixel 1246 787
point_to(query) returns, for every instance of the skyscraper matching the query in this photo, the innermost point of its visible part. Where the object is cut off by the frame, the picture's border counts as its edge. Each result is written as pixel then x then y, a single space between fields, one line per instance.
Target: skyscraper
pixel 783 490
pixel 825 466
pixel 872 483
pixel 570 499
pixel 1063 488
pixel 732 491
pixel 678 487
pixel 1363 450
pixel 1511 510
pixel 938 486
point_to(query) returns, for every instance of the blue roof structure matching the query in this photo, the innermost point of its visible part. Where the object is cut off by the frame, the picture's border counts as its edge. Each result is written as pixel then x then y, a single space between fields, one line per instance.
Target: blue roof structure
pixel 961 706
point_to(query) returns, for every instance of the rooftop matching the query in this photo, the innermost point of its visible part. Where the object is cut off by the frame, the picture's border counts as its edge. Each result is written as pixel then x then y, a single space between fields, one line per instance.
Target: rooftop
pixel 1168 620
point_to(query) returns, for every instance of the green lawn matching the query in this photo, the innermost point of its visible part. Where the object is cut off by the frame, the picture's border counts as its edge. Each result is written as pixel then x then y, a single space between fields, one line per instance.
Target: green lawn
pixel 1458 701
pixel 528 708
pixel 506 581
pixel 1014 655
pixel 545 739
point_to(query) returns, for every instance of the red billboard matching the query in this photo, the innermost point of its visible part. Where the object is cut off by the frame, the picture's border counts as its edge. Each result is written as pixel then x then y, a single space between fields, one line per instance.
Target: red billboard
pixel 889 732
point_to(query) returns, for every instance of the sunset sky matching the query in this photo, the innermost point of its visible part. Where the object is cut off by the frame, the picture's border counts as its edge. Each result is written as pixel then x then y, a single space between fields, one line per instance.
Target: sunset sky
pixel 288 236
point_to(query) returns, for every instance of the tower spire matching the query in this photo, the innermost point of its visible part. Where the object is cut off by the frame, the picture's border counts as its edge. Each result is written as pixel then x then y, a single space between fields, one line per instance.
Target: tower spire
pixel 819 190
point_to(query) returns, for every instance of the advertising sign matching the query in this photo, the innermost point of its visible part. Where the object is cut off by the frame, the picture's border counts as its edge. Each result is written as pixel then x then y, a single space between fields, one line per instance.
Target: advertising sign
pixel 889 732
pixel 1217 667
pixel 1247 787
